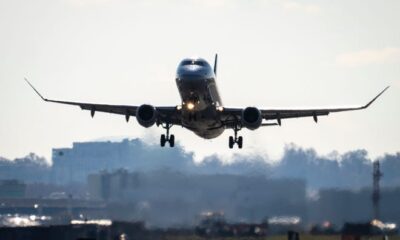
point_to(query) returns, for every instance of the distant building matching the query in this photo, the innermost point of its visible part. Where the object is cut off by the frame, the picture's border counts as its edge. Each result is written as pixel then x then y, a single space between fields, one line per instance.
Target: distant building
pixel 73 165
pixel 76 163
pixel 110 186
pixel 97 188
pixel 12 189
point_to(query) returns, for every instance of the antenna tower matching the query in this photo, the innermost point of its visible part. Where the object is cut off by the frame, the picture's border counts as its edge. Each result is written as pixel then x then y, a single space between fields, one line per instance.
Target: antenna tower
pixel 376 195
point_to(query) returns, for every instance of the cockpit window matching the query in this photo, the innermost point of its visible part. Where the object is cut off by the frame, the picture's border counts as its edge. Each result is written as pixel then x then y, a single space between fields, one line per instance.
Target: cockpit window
pixel 186 62
pixel 193 62
pixel 200 63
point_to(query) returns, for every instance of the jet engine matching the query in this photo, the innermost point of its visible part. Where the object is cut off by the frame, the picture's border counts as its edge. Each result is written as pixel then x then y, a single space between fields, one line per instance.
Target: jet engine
pixel 251 118
pixel 146 115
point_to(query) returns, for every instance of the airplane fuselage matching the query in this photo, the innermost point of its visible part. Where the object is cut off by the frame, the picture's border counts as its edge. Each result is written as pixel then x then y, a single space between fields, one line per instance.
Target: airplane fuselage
pixel 198 90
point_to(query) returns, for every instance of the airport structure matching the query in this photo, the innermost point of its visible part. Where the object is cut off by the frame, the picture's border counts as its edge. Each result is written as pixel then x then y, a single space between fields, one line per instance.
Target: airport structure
pixel 376 192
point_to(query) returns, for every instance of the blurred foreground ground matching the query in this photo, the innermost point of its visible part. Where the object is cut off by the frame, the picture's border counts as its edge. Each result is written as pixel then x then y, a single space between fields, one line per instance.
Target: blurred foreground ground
pixel 282 237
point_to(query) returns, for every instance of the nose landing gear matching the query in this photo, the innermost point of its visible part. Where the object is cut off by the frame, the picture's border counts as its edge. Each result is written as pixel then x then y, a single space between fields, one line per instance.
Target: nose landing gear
pixel 236 139
pixel 166 137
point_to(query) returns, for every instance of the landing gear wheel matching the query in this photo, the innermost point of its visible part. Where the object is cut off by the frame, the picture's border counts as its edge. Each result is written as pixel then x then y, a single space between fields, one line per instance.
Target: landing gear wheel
pixel 240 142
pixel 231 142
pixel 236 139
pixel 162 140
pixel 166 137
pixel 172 140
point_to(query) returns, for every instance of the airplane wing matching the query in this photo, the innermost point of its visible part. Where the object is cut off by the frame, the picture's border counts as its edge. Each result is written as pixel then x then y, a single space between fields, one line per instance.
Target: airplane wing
pixel 234 114
pixel 165 113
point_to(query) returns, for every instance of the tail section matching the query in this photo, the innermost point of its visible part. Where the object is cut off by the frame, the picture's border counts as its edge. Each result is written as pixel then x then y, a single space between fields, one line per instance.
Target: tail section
pixel 215 64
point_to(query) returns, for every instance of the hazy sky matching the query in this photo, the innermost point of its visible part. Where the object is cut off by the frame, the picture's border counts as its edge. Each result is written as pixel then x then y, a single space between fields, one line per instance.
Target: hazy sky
pixel 272 54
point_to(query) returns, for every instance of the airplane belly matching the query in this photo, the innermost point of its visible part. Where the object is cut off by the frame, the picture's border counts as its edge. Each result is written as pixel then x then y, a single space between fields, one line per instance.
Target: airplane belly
pixel 204 131
pixel 209 134
pixel 205 124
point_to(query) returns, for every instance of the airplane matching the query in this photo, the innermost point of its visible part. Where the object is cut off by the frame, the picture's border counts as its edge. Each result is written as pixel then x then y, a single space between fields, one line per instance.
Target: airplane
pixel 201 110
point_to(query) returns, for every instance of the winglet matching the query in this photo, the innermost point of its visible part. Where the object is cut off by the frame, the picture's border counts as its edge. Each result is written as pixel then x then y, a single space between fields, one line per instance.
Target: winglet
pixel 37 92
pixel 370 102
pixel 215 63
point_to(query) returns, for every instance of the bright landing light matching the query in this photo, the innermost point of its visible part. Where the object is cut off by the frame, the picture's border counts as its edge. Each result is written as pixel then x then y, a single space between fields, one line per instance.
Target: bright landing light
pixel 190 106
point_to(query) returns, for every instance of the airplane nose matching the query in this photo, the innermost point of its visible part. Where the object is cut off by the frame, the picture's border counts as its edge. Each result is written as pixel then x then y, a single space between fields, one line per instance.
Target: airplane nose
pixel 191 78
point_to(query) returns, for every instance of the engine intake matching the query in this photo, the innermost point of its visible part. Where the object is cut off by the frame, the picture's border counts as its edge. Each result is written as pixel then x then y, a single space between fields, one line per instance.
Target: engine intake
pixel 251 118
pixel 146 115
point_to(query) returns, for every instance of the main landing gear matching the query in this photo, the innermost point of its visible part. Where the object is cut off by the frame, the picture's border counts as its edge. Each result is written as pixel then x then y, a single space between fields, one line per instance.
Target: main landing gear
pixel 236 139
pixel 166 137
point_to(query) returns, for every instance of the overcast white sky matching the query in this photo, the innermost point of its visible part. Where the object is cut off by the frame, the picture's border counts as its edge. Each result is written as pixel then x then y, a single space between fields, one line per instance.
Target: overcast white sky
pixel 272 54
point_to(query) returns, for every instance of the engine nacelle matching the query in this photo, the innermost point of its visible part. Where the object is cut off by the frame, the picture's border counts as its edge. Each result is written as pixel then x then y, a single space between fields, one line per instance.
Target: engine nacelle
pixel 146 115
pixel 251 118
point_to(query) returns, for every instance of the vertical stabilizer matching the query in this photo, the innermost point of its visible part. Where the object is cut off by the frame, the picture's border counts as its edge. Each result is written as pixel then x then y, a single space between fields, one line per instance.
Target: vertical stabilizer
pixel 215 64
